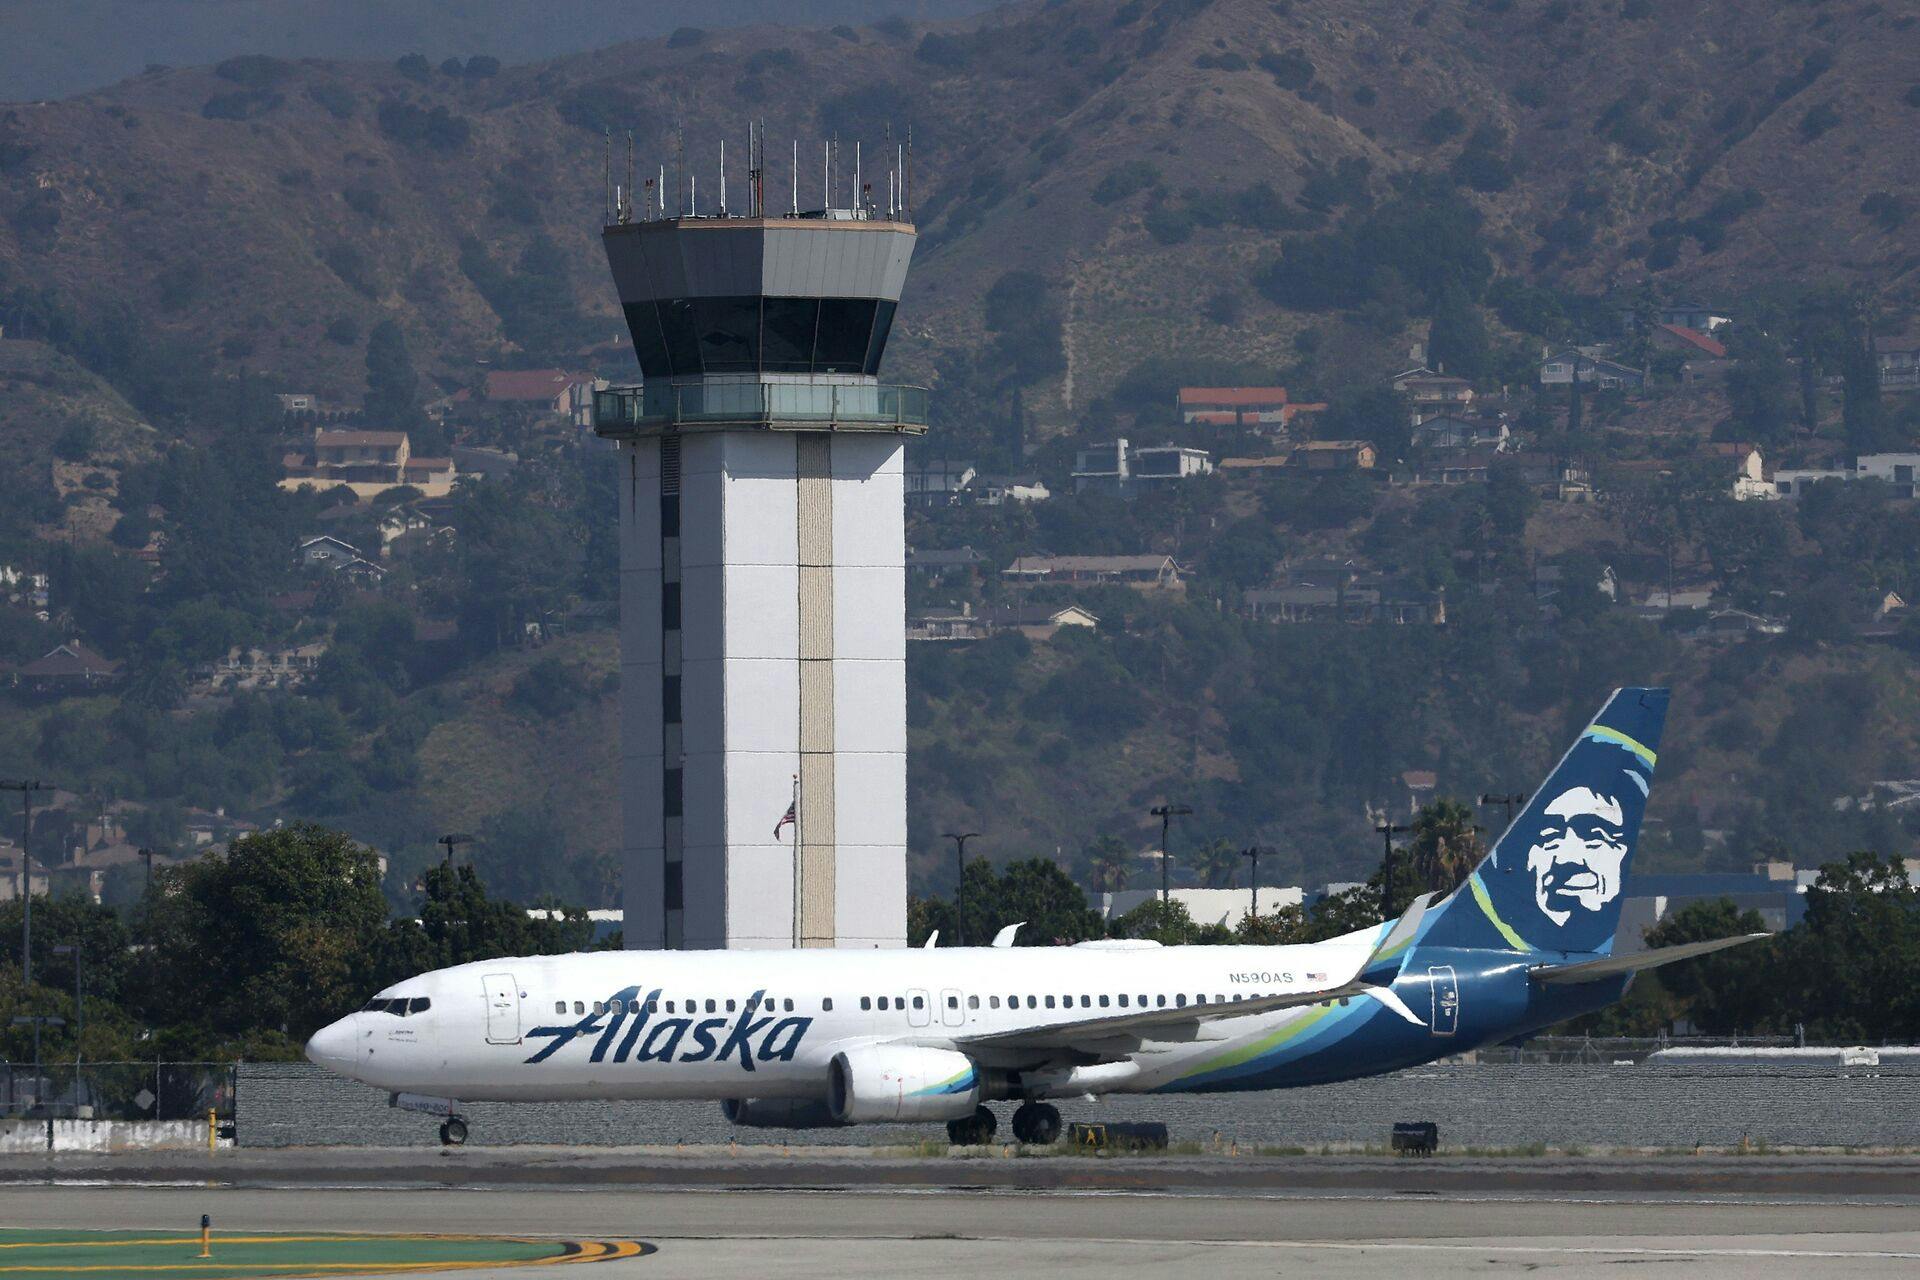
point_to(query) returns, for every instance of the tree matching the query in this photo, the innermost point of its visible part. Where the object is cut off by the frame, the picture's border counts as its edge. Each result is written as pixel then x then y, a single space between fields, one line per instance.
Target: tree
pixel 1445 846
pixel 1458 343
pixel 1867 425
pixel 1759 389
pixel 1216 862
pixel 1109 864
pixel 393 388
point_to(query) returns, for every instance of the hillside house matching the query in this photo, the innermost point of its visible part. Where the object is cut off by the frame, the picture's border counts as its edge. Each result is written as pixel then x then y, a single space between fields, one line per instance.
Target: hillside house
pixel 1264 409
pixel 1142 572
pixel 1121 469
pixel 327 552
pixel 1432 392
pixel 1750 483
pixel 1354 604
pixel 1691 343
pixel 995 491
pixel 1899 363
pixel 1039 621
pixel 947 626
pixel 937 482
pixel 936 565
pixel 1334 455
pixel 1451 431
pixel 1159 464
pixel 1560 369
pixel 70 668
pixel 285 668
pixel 1688 315
pixel 367 462
pixel 547 392
pixel 1455 466
pixel 1896 470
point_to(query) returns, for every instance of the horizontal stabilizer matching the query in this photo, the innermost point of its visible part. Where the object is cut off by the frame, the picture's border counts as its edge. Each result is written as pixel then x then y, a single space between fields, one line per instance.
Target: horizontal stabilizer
pixel 1614 966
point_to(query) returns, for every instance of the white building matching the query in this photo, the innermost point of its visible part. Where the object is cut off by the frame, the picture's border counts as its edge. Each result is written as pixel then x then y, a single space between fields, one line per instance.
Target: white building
pixel 1207 906
pixel 763 606
pixel 1120 468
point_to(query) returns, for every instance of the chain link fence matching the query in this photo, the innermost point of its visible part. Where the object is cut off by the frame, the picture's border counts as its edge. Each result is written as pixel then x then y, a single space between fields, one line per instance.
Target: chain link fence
pixel 116 1090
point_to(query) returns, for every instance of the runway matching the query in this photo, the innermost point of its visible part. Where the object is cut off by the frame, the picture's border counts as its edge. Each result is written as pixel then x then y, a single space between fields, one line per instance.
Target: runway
pixel 736 1233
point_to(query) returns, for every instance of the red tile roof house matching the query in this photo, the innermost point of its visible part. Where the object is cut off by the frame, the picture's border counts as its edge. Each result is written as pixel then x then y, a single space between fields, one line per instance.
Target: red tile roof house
pixel 1693 343
pixel 555 391
pixel 1239 406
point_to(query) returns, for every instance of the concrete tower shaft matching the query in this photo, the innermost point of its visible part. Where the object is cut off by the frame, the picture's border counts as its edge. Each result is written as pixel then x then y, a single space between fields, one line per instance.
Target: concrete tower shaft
pixel 762 581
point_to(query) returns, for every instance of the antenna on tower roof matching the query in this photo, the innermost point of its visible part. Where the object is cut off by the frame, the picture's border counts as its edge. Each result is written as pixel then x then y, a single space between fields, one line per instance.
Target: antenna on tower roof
pixel 606 175
pixel 859 192
pixel 723 177
pixel 907 200
pixel 626 214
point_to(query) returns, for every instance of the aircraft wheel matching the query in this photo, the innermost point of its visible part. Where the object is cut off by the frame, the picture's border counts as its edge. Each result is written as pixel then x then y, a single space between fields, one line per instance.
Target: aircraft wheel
pixel 1044 1129
pixel 453 1132
pixel 1023 1121
pixel 984 1123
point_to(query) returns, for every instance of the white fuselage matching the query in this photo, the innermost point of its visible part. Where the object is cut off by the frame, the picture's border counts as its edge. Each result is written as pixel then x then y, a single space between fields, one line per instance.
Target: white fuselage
pixel 765 1024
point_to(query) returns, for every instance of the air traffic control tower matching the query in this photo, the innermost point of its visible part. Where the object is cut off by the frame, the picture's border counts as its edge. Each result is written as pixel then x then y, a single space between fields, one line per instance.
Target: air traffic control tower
pixel 762 576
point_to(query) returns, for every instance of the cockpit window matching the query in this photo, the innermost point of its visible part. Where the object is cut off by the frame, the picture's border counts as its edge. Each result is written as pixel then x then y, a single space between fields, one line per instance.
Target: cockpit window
pixel 419 1004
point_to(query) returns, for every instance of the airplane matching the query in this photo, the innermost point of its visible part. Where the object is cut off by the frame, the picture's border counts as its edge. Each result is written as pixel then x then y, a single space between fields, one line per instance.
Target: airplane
pixel 818 1038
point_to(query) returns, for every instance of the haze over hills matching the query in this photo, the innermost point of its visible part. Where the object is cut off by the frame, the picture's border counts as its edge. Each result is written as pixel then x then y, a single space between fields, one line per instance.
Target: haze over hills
pixel 53 48
pixel 1145 159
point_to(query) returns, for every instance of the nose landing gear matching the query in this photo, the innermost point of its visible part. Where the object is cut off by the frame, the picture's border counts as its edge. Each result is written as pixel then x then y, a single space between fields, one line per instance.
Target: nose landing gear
pixel 453 1132
pixel 1037 1123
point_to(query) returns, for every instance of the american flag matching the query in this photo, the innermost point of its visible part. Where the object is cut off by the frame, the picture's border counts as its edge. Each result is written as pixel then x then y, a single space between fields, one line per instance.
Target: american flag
pixel 786 818
pixel 1312 977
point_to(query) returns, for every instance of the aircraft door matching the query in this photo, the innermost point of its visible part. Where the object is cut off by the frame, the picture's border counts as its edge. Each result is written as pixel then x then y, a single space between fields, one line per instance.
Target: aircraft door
pixel 1445 986
pixel 503 1008
pixel 953 1011
pixel 918 1015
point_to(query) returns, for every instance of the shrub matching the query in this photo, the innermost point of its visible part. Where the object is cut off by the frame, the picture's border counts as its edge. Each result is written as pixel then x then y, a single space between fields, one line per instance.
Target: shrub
pixel 335 98
pixel 366 202
pixel 435 130
pixel 945 52
pixel 1124 180
pixel 245 104
pixel 254 70
pixel 761 61
pixel 1226 307
pixel 1818 120
pixel 1441 125
pixel 599 107
pixel 1913 96
pixel 414 66
pixel 482 66
pixel 686 38
pixel 1365 95
pixel 75 441
pixel 351 265
pixel 1290 70
pixel 344 330
pixel 1887 210
pixel 1169 223
pixel 451 67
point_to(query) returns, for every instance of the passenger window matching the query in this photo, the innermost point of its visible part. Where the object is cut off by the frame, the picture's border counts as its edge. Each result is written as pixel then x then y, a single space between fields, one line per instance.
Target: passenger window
pixel 1033 1004
pixel 866 1002
pixel 598 1008
pixel 669 1006
pixel 919 1003
pixel 579 1006
pixel 787 1004
pixel 1123 999
pixel 953 1002
pixel 709 1006
pixel 729 1006
pixel 1180 1001
pixel 1049 1002
pixel 652 1007
pixel 1086 1002
pixel 559 1006
pixel 993 1002
pixel 826 1005
pixel 1143 1002
pixel 1160 1002
pixel 973 1002
pixel 1103 1002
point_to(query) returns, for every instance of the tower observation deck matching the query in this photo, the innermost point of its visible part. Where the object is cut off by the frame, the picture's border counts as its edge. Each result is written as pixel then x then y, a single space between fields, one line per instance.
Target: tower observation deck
pixel 763 655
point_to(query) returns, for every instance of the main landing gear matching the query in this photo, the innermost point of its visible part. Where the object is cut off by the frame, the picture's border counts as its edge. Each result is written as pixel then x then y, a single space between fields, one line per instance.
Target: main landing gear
pixel 973 1131
pixel 1037 1123
pixel 453 1132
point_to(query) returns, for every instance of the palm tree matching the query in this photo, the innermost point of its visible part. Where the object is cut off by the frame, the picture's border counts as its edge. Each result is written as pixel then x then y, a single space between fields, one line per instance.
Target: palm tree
pixel 1216 861
pixel 1109 865
pixel 1446 845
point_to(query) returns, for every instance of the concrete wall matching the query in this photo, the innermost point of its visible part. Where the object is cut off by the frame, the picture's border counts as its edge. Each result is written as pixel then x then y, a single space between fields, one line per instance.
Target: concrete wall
pixel 20 1136
pixel 1713 1104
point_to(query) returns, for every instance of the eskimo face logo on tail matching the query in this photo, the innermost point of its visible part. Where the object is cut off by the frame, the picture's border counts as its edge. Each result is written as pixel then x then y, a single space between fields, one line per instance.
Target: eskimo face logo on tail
pixel 1577 854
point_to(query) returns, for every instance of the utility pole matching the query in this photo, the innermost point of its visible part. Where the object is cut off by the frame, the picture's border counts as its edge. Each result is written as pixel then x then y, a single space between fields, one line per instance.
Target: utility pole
pixel 1510 800
pixel 79 998
pixel 1166 813
pixel 960 885
pixel 1388 830
pixel 1252 854
pixel 26 790
pixel 451 839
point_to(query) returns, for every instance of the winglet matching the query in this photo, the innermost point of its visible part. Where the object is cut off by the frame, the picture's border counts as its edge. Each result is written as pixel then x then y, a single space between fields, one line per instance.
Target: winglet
pixel 1383 966
pixel 1004 938
pixel 933 940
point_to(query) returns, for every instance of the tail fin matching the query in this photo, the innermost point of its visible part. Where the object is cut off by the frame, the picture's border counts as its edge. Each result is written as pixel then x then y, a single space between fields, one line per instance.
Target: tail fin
pixel 1553 881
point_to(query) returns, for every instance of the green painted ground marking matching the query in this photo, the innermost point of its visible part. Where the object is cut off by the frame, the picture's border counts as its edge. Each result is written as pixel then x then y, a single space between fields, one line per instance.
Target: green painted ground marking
pixel 174 1255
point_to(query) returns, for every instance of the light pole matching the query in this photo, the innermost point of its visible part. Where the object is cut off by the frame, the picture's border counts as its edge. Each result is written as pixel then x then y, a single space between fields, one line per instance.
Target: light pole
pixel 1387 830
pixel 1509 799
pixel 1252 853
pixel 451 839
pixel 79 998
pixel 38 1019
pixel 26 790
pixel 959 839
pixel 1166 813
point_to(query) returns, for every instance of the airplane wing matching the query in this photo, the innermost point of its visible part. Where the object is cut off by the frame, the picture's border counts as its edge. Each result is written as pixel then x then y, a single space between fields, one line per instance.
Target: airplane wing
pixel 1095 1037
pixel 1614 966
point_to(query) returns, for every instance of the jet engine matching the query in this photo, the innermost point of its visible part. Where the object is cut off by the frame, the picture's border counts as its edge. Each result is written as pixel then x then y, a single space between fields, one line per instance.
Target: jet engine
pixel 881 1082
pixel 778 1113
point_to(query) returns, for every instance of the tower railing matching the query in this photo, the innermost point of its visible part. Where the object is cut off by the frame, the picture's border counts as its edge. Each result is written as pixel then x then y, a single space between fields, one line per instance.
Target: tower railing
pixel 629 411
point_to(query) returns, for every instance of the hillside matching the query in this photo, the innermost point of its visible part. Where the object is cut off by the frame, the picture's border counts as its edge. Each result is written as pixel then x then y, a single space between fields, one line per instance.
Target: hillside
pixel 1145 159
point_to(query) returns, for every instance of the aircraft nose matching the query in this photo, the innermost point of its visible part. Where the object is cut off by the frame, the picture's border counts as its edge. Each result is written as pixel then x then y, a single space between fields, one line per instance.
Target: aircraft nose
pixel 333 1045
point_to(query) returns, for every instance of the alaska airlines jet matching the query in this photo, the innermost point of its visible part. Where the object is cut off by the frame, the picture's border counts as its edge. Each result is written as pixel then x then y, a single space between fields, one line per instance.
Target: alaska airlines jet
pixel 806 1039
